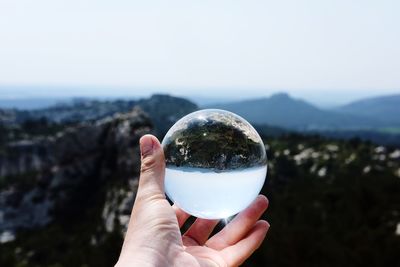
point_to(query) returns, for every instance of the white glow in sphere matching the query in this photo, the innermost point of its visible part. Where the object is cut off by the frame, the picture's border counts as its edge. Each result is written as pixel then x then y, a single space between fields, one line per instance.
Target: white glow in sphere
pixel 216 163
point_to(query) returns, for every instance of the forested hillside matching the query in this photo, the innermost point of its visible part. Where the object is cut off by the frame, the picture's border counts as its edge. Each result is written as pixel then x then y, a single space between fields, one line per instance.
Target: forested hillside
pixel 66 191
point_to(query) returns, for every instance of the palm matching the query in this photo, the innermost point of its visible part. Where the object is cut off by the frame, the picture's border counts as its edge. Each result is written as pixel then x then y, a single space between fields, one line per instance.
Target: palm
pixel 229 247
pixel 203 256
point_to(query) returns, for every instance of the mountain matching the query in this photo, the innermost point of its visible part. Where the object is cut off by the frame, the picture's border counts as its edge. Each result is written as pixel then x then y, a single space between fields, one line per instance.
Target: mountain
pixel 163 110
pixel 31 103
pixel 384 108
pixel 284 111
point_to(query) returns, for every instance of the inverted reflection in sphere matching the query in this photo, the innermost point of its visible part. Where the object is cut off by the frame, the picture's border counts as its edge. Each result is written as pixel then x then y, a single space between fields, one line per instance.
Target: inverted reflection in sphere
pixel 215 163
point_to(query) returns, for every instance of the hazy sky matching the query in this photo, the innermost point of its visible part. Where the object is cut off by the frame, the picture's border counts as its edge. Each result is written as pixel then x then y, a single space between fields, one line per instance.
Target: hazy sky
pixel 331 50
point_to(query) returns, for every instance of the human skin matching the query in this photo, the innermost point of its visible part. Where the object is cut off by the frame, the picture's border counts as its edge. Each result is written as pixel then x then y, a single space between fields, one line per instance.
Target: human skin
pixel 153 238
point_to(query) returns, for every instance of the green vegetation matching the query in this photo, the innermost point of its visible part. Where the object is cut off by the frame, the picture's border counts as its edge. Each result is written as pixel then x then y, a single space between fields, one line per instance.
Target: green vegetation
pixel 215 145
pixel 332 203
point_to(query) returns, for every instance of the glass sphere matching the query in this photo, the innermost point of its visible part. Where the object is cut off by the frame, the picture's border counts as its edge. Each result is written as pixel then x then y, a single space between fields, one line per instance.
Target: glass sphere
pixel 216 163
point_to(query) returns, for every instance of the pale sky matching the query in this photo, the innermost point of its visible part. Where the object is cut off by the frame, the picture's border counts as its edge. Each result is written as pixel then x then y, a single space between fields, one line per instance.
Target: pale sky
pixel 332 49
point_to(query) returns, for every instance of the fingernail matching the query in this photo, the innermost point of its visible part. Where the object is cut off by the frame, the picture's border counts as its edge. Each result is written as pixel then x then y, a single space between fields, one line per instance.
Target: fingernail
pixel 146 146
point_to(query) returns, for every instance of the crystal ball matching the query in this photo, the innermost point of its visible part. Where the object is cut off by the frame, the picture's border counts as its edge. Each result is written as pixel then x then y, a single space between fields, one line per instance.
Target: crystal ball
pixel 216 163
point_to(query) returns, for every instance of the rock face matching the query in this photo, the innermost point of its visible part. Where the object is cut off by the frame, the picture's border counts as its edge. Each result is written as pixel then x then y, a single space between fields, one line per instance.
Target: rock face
pixel 58 177
pixel 88 170
pixel 69 175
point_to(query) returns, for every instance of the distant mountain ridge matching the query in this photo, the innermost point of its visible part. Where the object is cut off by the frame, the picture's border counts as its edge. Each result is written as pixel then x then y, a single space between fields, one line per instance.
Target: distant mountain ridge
pixel 279 110
pixel 163 110
pixel 384 108
pixel 284 111
pixel 31 103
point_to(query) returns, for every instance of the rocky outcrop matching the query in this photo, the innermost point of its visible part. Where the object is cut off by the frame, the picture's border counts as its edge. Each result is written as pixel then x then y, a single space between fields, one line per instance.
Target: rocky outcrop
pixel 163 110
pixel 87 171
pixel 53 178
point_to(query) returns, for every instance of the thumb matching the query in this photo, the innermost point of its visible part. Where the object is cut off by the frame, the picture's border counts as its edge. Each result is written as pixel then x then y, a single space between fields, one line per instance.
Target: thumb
pixel 152 170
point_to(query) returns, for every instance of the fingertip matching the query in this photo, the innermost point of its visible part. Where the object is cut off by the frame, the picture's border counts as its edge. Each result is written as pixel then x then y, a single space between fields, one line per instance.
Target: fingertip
pixel 263 224
pixel 263 199
pixel 149 138
pixel 260 204
pixel 148 144
pixel 152 169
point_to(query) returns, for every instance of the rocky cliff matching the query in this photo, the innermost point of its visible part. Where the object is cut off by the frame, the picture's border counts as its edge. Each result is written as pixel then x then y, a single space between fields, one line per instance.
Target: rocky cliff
pixel 68 178
pixel 58 178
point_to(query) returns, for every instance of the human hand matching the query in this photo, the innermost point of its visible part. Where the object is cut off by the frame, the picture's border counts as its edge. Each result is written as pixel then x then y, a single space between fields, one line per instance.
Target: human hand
pixel 154 239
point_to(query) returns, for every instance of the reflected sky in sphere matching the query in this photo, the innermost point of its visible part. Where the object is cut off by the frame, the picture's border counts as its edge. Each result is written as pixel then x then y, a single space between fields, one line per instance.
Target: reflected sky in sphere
pixel 216 163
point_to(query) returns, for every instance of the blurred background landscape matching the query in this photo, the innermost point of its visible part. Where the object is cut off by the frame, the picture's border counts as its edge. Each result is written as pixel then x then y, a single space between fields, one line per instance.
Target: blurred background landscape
pixel 82 81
